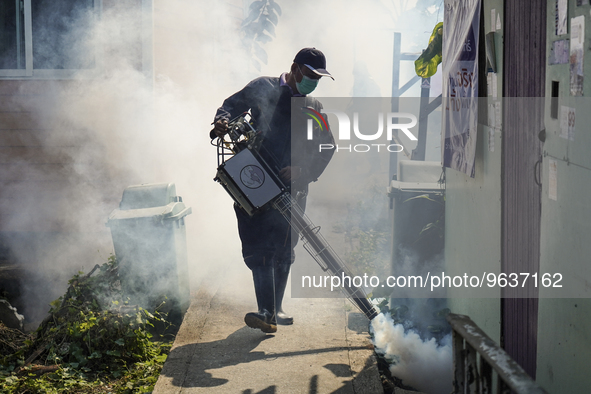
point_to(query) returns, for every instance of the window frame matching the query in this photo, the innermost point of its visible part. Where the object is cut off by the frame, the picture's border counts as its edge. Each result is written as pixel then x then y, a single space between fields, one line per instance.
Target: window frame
pixel 29 72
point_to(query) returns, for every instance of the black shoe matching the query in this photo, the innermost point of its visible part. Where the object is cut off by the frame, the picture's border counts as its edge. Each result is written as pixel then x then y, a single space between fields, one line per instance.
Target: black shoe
pixel 261 320
pixel 281 275
pixel 284 319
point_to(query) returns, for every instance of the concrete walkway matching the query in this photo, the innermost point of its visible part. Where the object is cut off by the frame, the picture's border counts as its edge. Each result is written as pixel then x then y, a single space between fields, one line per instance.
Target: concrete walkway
pixel 326 350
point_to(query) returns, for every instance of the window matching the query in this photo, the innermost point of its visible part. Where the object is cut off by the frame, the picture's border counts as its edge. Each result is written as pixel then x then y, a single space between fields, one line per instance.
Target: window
pixel 46 38
pixel 12 40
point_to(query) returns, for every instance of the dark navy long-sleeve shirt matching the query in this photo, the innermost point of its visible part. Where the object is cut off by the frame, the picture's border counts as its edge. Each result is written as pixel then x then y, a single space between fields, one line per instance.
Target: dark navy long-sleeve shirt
pixel 269 102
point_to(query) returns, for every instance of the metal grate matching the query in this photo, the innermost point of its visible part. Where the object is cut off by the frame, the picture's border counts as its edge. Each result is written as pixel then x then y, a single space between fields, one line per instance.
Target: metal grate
pixel 477 359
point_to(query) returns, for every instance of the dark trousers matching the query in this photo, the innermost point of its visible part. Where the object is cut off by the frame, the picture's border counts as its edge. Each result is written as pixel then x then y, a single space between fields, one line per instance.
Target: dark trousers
pixel 267 238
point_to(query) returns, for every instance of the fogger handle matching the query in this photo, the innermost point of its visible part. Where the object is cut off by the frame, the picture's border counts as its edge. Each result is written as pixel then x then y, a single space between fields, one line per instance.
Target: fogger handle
pixel 321 251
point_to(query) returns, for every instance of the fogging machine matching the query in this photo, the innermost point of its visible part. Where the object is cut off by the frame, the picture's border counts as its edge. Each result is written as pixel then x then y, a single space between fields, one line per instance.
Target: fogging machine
pixel 254 185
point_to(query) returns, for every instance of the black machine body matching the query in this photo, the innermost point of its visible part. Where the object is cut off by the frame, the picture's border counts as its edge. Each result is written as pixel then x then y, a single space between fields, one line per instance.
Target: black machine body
pixel 242 171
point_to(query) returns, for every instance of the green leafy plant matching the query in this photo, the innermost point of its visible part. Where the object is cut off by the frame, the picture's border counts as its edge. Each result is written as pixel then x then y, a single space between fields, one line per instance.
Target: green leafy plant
pixel 92 340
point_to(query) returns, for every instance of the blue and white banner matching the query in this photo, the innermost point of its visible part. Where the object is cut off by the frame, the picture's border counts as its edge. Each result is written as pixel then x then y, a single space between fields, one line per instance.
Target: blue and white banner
pixel 460 84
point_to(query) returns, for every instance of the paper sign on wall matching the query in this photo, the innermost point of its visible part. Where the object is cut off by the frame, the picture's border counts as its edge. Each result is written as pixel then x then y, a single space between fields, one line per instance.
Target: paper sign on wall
pixel 498 122
pixel 559 52
pixel 460 84
pixel 577 41
pixel 552 180
pixel 493 20
pixel 561 17
pixel 494 85
pixel 567 122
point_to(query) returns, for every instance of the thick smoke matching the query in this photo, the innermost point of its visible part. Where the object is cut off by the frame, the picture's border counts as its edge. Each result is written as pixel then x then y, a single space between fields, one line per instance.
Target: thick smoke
pixel 421 364
pixel 119 125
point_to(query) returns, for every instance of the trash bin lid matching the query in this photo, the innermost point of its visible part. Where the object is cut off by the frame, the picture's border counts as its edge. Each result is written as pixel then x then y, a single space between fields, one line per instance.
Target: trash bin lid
pixel 414 187
pixel 417 177
pixel 172 211
pixel 155 200
pixel 148 195
pixel 419 171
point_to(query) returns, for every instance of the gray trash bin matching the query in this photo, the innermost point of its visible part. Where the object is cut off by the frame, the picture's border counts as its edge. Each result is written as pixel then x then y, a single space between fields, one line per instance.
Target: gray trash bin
pixel 418 218
pixel 148 231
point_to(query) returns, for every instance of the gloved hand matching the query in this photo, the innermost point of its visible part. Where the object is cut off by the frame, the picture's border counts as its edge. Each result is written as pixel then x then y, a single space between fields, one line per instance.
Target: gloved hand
pixel 220 128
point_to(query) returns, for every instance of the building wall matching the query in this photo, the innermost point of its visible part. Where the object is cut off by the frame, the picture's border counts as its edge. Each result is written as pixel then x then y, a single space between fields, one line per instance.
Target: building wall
pixel 57 182
pixel 564 333
pixel 39 148
pixel 30 162
pixel 473 210
pixel 473 222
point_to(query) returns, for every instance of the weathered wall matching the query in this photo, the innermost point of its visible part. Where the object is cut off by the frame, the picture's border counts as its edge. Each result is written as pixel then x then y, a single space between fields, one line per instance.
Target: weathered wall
pixel 58 179
pixel 565 324
pixel 473 210
pixel 41 165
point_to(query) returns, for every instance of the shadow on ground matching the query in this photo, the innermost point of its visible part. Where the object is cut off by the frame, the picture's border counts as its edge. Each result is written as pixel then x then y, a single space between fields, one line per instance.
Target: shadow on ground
pixel 239 348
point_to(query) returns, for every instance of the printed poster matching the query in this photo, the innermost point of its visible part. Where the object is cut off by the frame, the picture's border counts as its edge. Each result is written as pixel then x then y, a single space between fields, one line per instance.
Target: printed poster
pixel 552 180
pixel 559 52
pixel 567 123
pixel 460 84
pixel 561 17
pixel 577 40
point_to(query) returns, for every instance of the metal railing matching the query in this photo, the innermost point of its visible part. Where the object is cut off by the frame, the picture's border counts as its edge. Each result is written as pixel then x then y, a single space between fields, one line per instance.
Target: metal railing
pixel 475 357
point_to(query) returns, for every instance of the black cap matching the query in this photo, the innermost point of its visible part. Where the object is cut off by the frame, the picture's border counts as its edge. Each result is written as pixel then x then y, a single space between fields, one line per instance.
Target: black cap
pixel 314 60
